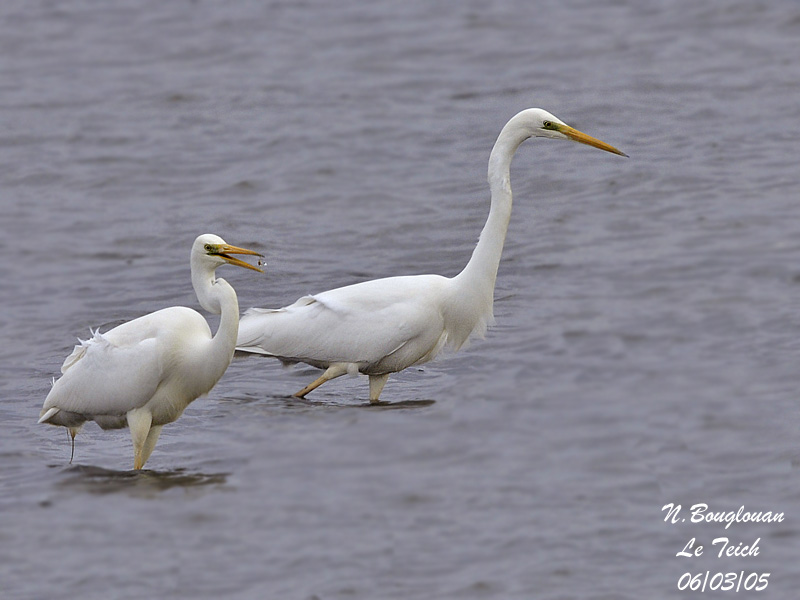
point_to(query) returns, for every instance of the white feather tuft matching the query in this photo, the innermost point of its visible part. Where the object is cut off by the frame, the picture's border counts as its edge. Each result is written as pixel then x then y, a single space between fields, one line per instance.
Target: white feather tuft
pixel 51 412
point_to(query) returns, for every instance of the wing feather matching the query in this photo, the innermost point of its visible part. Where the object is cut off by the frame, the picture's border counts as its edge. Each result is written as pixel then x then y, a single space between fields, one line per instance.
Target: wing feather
pixel 117 371
pixel 362 323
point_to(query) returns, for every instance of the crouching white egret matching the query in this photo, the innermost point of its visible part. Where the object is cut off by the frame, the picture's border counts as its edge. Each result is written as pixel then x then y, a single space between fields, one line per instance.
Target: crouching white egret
pixel 144 373
pixel 386 325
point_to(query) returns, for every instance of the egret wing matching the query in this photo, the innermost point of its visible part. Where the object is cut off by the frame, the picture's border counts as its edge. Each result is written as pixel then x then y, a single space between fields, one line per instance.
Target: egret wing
pixel 361 323
pixel 117 371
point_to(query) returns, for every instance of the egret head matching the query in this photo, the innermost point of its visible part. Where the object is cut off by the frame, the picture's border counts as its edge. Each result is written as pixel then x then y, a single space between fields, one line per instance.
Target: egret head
pixel 210 247
pixel 536 122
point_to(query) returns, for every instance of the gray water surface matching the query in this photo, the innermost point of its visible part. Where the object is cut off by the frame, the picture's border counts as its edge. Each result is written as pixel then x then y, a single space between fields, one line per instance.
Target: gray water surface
pixel 647 339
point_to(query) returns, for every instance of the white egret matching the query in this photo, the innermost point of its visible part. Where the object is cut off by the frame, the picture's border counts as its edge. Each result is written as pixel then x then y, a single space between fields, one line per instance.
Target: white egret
pixel 386 325
pixel 144 373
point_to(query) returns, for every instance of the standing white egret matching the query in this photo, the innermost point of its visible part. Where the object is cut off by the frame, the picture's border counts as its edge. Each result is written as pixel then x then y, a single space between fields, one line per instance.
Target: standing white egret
pixel 383 326
pixel 144 373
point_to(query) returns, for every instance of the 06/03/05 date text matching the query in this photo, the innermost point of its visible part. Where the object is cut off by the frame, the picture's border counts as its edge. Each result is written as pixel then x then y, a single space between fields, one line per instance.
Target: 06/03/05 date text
pixel 723 582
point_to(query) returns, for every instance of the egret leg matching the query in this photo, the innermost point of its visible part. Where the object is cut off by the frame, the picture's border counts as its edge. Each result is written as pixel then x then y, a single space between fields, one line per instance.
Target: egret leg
pixel 331 372
pixel 376 383
pixel 150 442
pixel 72 439
pixel 73 431
pixel 139 421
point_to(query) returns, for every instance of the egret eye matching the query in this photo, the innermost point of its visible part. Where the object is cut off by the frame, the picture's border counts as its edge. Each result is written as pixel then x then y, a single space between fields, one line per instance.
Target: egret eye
pixel 547 125
pixel 208 247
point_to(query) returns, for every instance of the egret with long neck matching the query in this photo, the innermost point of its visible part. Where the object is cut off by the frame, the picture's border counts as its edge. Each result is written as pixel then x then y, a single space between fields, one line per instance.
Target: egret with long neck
pixel 144 373
pixel 385 325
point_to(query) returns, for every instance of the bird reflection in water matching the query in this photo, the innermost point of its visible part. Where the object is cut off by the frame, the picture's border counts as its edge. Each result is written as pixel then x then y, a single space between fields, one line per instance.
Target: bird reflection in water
pixel 142 483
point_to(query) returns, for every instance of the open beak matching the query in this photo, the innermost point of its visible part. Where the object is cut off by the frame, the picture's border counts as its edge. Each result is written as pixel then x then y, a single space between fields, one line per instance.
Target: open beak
pixel 226 249
pixel 581 137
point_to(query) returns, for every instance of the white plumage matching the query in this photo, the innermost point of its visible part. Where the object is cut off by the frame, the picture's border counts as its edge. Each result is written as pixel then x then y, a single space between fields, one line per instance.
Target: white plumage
pixel 144 373
pixel 411 328
pixel 386 325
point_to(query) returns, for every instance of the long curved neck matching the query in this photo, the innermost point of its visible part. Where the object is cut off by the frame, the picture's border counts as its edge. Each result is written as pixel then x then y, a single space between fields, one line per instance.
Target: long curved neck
pixel 481 270
pixel 218 297
pixel 468 310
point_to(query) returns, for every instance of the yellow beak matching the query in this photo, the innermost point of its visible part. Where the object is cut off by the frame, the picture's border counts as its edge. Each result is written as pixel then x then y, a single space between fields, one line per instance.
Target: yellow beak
pixel 581 137
pixel 226 249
